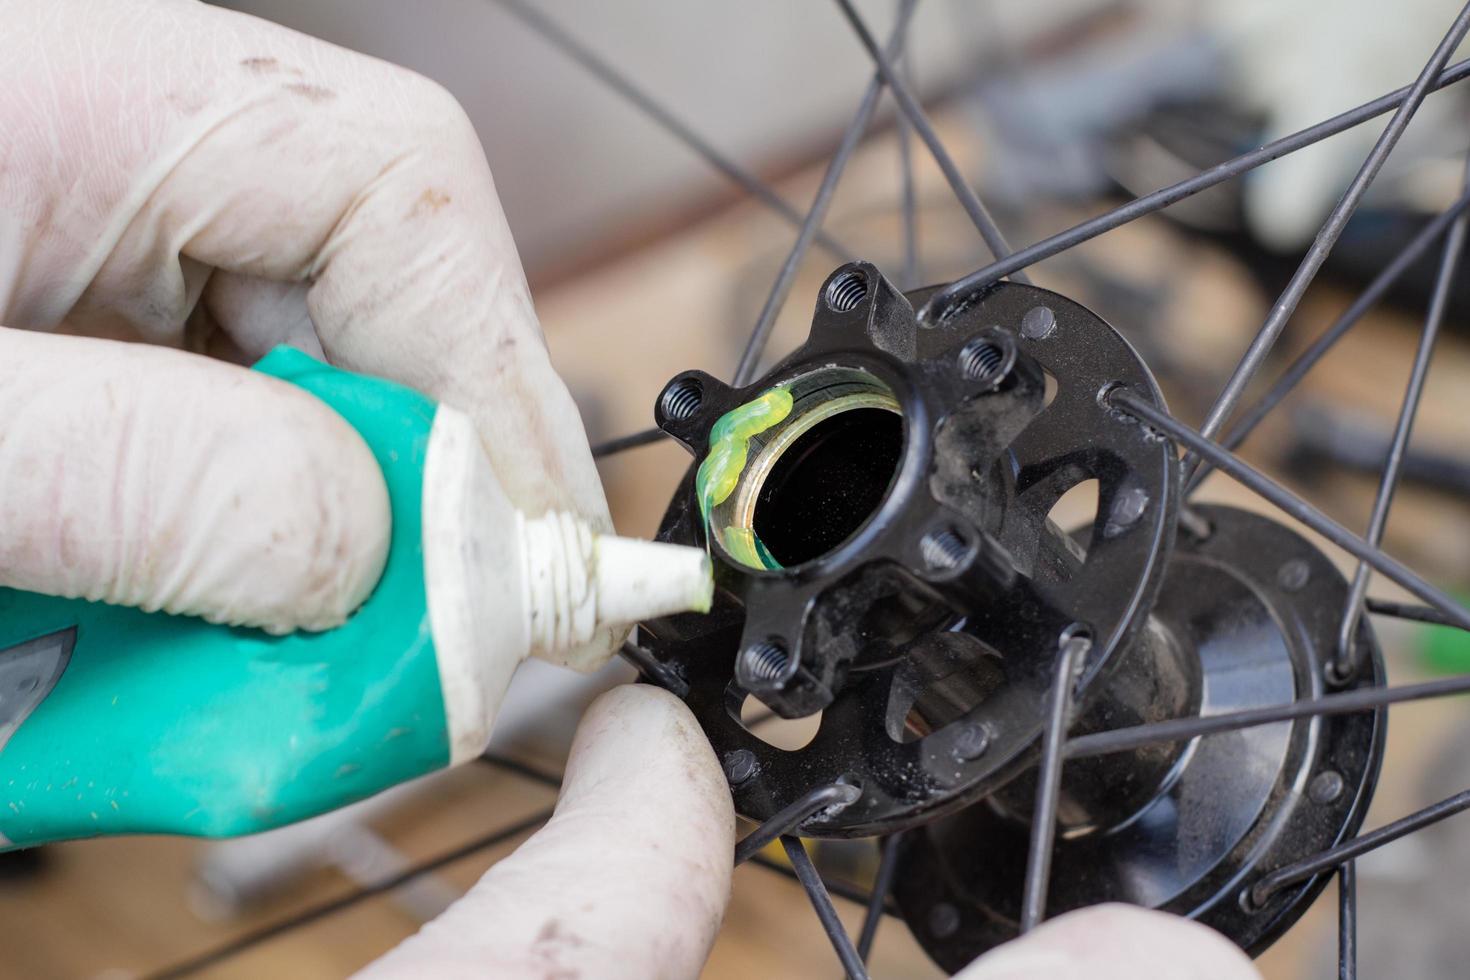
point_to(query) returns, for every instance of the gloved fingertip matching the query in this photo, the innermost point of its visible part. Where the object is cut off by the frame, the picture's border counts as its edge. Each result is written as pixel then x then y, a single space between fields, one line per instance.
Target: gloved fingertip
pixel 1115 942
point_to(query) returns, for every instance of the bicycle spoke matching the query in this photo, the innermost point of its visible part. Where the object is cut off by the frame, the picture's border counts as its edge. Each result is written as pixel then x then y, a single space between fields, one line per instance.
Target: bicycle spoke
pixel 558 37
pixel 1049 781
pixel 908 194
pixel 1344 661
pixel 840 889
pixel 953 297
pixel 776 298
pixel 1402 610
pixel 254 938
pixel 971 202
pixel 519 768
pixel 791 817
pixel 1357 847
pixel 878 900
pixel 654 672
pixel 1349 318
pixel 1182 729
pixel 1347 921
pixel 1263 485
pixel 806 873
pixel 624 443
pixel 1327 236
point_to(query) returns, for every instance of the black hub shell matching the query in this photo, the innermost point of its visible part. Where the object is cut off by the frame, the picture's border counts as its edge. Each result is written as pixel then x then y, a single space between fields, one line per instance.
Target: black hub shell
pixel 1254 607
pixel 985 457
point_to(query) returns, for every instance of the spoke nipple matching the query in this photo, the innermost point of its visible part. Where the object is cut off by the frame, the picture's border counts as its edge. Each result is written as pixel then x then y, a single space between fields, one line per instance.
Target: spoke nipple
pixel 1294 575
pixel 1339 672
pixel 1039 323
pixel 1325 787
pixel 740 766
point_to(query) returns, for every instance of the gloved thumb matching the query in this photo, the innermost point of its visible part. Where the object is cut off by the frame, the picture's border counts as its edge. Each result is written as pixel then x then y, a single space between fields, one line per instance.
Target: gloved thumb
pixel 629 879
pixel 148 477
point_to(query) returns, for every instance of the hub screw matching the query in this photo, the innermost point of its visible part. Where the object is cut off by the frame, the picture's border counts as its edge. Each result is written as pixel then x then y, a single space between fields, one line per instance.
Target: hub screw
pixel 971 741
pixel 944 920
pixel 1294 575
pixel 1325 787
pixel 1038 323
pixel 740 765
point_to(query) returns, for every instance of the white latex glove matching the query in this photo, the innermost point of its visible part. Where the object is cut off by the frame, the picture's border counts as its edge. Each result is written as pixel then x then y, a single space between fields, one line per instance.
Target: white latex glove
pixel 628 880
pixel 631 876
pixel 1115 942
pixel 1300 62
pixel 180 174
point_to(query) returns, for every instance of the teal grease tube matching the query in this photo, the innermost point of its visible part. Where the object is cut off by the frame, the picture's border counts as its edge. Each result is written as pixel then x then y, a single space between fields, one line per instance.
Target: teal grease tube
pixel 114 720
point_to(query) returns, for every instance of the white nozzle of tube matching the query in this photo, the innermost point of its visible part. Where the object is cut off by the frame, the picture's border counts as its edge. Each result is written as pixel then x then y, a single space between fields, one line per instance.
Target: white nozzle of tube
pixel 502 586
pixel 578 581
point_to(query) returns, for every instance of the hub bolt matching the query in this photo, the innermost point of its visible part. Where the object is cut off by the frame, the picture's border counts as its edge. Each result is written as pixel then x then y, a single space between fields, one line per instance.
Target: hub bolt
pixel 1325 787
pixel 1294 575
pixel 1038 323
pixel 740 765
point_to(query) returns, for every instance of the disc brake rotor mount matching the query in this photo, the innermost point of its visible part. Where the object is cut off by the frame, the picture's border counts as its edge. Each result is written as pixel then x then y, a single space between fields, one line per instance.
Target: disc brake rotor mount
pixel 924 628
pixel 885 557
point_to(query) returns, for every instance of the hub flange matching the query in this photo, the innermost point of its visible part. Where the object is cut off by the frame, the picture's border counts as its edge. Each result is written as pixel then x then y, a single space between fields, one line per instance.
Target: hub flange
pixel 926 636
pixel 1251 616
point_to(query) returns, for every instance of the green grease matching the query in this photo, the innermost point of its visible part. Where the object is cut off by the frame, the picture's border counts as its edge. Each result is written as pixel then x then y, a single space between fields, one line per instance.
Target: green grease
pixel 1445 649
pixel 719 473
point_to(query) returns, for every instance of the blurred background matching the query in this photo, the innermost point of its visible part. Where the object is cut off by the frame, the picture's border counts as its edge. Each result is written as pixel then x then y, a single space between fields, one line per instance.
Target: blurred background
pixel 646 260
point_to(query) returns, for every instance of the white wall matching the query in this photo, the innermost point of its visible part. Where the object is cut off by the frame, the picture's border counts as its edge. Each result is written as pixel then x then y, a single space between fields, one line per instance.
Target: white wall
pixel 573 161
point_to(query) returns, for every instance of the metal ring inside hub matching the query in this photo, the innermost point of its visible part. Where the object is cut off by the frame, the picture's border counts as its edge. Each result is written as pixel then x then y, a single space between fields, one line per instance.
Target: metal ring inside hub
pixel 817 397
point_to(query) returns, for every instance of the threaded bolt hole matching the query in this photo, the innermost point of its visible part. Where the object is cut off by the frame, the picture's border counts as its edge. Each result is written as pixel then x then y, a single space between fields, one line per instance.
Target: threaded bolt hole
pixel 681 399
pixel 944 550
pixel 845 292
pixel 983 361
pixel 766 661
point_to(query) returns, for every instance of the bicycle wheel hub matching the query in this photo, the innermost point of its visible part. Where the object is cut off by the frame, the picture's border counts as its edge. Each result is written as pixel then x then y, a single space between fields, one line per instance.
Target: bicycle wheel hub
pixel 1247 617
pixel 878 510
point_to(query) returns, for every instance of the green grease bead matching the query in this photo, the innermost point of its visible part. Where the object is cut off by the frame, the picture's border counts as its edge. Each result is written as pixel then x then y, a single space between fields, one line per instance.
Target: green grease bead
pixel 729 445
pixel 719 473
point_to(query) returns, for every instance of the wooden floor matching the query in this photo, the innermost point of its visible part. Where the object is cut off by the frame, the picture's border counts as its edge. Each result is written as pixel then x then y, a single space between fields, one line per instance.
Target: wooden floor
pixel 118 907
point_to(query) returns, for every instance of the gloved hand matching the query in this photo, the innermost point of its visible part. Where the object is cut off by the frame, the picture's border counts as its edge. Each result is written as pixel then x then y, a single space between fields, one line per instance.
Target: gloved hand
pixel 1298 64
pixel 1115 942
pixel 630 878
pixel 184 175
